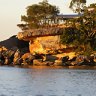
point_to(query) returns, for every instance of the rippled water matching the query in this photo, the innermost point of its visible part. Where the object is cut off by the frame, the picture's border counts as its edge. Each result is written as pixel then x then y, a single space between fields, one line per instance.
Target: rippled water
pixel 47 82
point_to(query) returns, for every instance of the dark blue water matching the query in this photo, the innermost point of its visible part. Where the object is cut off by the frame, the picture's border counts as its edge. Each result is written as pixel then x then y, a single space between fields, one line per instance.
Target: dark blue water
pixel 47 82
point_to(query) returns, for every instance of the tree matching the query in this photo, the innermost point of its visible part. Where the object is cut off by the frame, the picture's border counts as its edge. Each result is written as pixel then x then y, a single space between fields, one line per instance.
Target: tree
pixel 77 5
pixel 38 14
pixel 83 33
pixel 70 35
pixel 88 25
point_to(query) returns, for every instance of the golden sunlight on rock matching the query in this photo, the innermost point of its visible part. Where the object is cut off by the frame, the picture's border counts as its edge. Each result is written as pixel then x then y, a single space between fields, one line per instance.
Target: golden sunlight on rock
pixel 36 47
pixel 44 44
pixel 3 48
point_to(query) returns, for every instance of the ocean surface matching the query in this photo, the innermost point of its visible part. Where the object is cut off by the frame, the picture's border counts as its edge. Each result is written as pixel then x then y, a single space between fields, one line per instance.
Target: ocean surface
pixel 47 82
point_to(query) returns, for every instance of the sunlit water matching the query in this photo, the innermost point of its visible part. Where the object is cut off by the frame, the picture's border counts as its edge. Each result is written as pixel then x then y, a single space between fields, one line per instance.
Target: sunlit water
pixel 47 82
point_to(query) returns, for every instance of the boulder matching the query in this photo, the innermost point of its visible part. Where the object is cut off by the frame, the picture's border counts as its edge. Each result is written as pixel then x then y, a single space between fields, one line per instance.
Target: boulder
pixel 28 59
pixel 65 59
pixel 38 62
pixel 58 63
pixel 2 59
pixel 17 58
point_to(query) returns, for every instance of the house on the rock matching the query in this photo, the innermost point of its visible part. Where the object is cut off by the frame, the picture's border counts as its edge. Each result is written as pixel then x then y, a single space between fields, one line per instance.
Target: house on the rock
pixel 43 40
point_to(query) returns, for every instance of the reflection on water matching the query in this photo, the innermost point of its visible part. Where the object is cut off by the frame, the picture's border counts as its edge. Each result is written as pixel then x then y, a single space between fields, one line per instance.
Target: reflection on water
pixel 47 82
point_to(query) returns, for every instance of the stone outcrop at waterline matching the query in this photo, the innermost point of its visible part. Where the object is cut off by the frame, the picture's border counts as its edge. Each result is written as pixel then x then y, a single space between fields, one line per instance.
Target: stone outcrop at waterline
pixel 45 46
pixel 10 57
pixel 42 40
pixel 45 50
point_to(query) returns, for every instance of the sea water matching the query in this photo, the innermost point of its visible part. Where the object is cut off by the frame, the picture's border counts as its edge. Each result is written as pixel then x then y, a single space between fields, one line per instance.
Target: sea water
pixel 47 82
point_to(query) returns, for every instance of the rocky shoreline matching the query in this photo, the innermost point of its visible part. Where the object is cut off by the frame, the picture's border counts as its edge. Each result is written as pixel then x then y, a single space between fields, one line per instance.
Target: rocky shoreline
pixel 16 58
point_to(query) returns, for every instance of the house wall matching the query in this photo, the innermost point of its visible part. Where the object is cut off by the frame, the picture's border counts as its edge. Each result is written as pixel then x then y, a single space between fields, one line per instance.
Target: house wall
pixel 43 44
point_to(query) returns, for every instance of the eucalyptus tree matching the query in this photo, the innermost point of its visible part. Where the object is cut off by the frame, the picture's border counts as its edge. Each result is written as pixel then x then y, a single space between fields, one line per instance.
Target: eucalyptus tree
pixel 88 25
pixel 83 34
pixel 77 5
pixel 37 15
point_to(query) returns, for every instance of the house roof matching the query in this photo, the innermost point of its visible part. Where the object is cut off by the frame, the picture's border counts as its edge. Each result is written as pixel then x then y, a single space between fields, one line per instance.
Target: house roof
pixel 68 16
pixel 64 16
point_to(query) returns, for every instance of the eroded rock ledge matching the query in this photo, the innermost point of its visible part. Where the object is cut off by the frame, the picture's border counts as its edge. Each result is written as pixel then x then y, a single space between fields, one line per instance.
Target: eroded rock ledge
pixel 41 32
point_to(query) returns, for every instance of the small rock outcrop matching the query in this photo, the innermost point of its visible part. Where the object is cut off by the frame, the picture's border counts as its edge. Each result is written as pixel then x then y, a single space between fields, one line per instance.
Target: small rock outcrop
pixel 14 43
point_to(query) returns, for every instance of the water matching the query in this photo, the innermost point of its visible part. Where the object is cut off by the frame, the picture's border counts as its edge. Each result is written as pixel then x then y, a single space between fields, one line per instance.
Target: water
pixel 47 82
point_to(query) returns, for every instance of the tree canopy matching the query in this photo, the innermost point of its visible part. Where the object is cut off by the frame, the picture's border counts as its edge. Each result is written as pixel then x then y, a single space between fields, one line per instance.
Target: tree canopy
pixel 37 15
pixel 77 5
pixel 83 33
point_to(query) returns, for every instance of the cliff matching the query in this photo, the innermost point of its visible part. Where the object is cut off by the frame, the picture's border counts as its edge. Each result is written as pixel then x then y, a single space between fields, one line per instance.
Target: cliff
pixel 42 39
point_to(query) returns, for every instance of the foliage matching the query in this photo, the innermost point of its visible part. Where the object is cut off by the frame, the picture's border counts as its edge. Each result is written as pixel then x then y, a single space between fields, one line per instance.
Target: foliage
pixel 77 5
pixel 83 33
pixel 38 14
pixel 69 35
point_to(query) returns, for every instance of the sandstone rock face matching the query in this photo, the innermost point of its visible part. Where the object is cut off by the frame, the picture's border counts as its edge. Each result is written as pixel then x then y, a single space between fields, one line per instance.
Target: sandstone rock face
pixel 42 40
pixel 44 44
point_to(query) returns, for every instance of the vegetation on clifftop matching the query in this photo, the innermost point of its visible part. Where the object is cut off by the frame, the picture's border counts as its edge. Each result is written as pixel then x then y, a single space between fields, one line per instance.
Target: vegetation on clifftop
pixel 37 15
pixel 77 5
pixel 82 34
